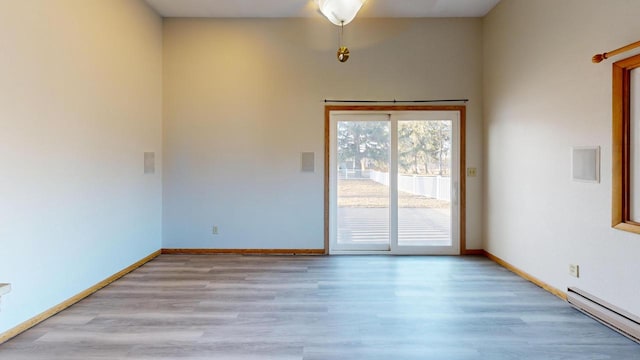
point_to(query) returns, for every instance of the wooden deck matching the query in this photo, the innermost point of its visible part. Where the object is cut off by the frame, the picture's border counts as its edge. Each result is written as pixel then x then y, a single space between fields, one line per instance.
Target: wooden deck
pixel 416 226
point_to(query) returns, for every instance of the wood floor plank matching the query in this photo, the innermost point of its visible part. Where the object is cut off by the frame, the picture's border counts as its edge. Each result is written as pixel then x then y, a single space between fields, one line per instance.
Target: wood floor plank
pixel 305 308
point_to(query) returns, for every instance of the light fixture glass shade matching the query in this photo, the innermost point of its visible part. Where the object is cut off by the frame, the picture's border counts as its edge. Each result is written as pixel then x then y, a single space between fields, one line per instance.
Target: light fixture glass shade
pixel 340 12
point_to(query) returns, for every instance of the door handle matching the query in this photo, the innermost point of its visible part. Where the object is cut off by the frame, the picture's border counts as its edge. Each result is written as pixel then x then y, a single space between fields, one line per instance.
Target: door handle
pixel 454 193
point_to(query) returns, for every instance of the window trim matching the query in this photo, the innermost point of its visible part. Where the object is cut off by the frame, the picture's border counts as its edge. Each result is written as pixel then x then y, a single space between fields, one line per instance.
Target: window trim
pixel 621 138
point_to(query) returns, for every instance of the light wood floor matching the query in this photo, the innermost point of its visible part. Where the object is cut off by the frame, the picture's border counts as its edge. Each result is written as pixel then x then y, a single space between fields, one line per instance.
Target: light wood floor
pixel 368 307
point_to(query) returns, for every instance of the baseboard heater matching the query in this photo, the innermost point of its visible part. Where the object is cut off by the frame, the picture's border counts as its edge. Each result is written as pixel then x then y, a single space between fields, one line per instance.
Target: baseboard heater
pixel 623 322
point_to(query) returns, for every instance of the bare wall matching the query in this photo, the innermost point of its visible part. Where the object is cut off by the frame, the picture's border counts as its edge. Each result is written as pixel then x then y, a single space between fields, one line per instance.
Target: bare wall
pixel 80 101
pixel 244 97
pixel 543 96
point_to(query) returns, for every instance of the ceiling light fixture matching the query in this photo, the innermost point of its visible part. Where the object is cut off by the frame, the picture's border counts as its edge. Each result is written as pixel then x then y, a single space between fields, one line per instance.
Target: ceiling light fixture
pixel 340 12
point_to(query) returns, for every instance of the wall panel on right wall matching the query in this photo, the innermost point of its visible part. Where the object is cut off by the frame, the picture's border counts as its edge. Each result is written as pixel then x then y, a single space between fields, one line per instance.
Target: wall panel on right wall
pixel 542 95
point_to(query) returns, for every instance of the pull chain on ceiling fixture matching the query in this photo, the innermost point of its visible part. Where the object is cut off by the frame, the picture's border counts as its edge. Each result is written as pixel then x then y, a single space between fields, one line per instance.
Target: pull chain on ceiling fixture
pixel 343 51
pixel 340 12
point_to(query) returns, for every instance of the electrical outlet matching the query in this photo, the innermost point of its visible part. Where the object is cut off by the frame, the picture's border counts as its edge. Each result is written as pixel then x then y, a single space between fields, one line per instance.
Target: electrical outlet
pixel 472 172
pixel 214 230
pixel 574 270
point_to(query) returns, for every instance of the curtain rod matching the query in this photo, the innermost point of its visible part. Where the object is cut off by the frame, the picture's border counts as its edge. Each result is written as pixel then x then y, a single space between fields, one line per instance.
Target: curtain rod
pixel 395 101
pixel 599 57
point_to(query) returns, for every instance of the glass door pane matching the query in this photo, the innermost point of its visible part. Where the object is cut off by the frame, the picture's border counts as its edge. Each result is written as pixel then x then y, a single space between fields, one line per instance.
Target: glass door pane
pixel 424 183
pixel 362 157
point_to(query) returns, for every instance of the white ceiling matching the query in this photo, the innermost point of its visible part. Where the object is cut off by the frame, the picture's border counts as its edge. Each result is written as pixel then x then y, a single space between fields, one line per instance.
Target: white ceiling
pixel 308 8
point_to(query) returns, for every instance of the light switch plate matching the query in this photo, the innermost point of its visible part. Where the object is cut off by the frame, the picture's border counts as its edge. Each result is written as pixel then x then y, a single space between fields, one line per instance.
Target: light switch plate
pixel 574 270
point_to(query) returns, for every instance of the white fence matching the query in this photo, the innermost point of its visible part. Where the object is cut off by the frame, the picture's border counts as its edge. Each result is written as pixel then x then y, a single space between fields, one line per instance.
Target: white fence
pixel 435 187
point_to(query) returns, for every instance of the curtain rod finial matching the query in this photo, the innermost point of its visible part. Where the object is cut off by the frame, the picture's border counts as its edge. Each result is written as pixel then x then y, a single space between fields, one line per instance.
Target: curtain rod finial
pixel 598 58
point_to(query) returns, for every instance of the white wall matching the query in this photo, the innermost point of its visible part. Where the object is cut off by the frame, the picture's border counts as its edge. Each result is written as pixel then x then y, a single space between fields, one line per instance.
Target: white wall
pixel 80 101
pixel 243 98
pixel 542 96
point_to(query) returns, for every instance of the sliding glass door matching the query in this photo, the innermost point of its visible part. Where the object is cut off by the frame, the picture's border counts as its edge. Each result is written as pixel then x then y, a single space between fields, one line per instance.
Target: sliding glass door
pixel 394 182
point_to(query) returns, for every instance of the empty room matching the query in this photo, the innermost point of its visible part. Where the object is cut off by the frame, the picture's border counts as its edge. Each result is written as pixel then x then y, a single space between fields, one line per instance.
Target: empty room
pixel 319 179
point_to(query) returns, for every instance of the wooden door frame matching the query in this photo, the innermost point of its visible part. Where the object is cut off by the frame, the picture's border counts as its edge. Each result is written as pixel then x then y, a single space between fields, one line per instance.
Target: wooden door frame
pixel 462 154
